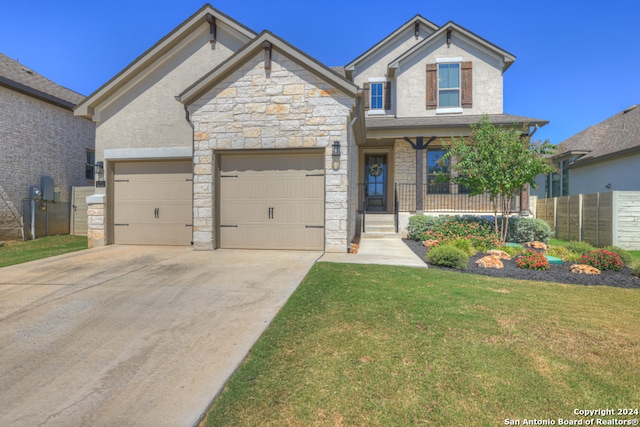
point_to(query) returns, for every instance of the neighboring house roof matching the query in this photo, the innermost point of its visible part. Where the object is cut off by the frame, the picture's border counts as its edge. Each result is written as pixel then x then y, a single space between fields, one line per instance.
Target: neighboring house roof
pixel 618 135
pixel 18 77
pixel 208 81
pixel 382 43
pixel 506 58
pixel 158 50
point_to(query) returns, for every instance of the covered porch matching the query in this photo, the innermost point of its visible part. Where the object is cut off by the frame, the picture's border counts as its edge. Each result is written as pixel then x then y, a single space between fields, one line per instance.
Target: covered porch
pixel 399 163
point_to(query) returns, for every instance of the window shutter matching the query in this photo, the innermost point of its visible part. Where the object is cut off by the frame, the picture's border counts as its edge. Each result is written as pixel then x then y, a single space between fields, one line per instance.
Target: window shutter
pixel 387 96
pixel 366 95
pixel 466 71
pixel 432 86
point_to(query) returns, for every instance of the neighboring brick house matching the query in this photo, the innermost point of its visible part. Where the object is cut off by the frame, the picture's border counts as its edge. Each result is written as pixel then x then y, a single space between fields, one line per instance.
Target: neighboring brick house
pixel 224 138
pixel 604 157
pixel 39 136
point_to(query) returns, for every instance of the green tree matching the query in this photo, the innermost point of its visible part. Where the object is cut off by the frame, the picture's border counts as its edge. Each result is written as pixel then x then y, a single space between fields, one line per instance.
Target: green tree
pixel 500 162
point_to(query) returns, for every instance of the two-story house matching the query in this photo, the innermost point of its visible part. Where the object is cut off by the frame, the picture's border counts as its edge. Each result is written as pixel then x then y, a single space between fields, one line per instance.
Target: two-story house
pixel 223 138
pixel 421 85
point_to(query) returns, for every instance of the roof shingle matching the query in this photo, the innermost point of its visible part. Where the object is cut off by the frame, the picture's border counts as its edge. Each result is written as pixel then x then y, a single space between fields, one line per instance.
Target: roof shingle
pixel 16 76
pixel 619 133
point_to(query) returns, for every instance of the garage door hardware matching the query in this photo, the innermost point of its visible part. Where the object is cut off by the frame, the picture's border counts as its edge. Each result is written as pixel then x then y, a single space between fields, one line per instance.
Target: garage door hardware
pixel 189 179
pixel 121 225
pixel 157 212
pixel 228 176
pixel 270 213
pixel 121 180
pixel 314 226
pixel 229 226
pixel 315 174
pixel 188 225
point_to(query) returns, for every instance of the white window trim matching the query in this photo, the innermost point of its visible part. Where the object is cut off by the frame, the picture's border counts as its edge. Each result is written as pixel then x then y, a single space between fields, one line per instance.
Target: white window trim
pixel 453 60
pixel 450 110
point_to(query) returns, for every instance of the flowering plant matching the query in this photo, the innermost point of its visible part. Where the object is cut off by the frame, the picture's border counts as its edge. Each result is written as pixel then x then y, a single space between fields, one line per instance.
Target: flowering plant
pixel 603 259
pixel 533 261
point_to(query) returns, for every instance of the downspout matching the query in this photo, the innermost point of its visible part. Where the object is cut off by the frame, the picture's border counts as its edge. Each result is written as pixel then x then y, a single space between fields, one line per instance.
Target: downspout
pixel 193 150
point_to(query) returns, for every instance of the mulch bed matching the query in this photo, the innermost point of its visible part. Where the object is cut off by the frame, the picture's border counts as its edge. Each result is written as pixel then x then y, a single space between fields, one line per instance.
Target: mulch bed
pixel 556 273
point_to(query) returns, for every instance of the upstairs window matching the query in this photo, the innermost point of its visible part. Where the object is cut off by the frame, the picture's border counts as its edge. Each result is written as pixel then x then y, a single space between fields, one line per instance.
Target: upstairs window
pixel 376 96
pixel 448 85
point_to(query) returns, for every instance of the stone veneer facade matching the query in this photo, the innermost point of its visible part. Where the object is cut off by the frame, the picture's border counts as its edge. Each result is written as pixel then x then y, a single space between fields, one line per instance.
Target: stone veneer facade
pixel 286 107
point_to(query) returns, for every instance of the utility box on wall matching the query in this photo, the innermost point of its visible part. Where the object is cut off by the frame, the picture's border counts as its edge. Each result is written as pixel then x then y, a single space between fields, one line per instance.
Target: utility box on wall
pixel 47 188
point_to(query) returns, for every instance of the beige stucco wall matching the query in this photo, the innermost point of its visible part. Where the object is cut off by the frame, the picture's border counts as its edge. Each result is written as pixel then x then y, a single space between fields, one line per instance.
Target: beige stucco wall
pixel 145 114
pixel 375 66
pixel 487 78
pixel 38 139
pixel 287 107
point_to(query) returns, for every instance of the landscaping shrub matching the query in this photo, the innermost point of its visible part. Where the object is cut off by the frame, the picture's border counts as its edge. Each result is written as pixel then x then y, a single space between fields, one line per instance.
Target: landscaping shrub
pixel 602 259
pixel 464 245
pixel 625 256
pixel 420 224
pixel 528 230
pixel 513 251
pixel 477 230
pixel 563 253
pixel 636 271
pixel 448 256
pixel 533 261
pixel 580 248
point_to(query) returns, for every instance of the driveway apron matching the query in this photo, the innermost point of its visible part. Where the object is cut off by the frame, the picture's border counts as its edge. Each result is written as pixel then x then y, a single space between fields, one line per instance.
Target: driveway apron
pixel 133 336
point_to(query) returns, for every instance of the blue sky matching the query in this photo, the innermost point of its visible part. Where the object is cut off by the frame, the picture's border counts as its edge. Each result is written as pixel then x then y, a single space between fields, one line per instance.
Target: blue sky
pixel 577 62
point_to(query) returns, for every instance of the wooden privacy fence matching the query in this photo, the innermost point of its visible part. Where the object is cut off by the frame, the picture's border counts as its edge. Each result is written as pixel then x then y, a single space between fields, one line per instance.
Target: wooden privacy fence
pixel 601 219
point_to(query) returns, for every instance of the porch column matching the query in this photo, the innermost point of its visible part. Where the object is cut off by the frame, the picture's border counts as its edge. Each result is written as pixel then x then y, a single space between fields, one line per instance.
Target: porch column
pixel 419 146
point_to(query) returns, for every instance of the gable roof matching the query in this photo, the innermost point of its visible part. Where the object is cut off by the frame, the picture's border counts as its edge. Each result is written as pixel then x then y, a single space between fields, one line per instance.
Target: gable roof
pixel 506 58
pixel 18 77
pixel 615 136
pixel 196 90
pixel 158 50
pixel 382 43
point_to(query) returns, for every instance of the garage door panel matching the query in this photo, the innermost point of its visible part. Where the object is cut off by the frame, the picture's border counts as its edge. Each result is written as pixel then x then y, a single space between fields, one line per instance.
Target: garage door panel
pixel 272 237
pixel 270 201
pixel 153 203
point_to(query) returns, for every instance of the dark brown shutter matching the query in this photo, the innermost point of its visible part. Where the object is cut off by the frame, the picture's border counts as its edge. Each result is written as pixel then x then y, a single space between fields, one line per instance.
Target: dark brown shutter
pixel 432 86
pixel 387 96
pixel 467 84
pixel 366 95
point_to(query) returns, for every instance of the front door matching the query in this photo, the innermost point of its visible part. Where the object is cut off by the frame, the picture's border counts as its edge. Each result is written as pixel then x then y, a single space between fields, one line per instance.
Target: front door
pixel 376 182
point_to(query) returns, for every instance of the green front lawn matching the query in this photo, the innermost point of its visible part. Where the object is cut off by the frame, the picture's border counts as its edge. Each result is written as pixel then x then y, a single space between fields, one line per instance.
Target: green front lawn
pixel 392 346
pixel 16 252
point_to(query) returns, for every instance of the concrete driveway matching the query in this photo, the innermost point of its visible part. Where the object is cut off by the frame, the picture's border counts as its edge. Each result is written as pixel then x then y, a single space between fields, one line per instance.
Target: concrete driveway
pixel 130 335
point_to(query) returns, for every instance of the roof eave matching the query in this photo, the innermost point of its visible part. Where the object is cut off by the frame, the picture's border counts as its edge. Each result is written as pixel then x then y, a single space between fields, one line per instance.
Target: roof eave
pixel 18 87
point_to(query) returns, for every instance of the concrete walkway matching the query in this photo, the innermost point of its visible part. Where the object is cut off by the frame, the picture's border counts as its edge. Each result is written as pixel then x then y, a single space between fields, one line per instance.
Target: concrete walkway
pixel 390 251
pixel 133 336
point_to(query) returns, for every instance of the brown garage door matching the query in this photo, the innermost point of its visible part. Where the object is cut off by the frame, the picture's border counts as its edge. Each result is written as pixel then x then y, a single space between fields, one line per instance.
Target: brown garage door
pixel 153 203
pixel 272 201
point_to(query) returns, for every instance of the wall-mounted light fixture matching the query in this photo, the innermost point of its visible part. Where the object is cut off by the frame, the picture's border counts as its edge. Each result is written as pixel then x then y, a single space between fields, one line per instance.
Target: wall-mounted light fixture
pixel 99 167
pixel 336 149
